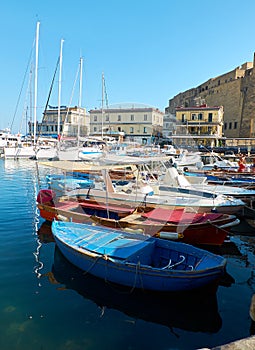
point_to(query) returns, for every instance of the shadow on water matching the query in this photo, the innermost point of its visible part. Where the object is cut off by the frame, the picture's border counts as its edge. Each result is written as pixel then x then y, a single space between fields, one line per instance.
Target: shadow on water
pixel 195 311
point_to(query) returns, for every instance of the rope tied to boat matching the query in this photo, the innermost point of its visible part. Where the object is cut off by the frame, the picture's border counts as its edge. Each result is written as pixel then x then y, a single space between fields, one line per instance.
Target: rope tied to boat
pixel 217 226
pixel 137 272
pixel 92 265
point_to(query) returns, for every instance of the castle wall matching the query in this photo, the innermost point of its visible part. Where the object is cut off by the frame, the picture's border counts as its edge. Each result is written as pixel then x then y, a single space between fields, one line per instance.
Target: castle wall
pixel 235 91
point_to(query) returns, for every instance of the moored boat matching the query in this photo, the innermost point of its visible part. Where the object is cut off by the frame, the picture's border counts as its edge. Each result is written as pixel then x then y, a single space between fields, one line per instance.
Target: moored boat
pixel 136 261
pixel 177 224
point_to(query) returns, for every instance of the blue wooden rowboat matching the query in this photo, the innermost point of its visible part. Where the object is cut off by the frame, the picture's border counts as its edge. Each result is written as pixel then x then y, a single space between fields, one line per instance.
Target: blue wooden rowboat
pixel 135 260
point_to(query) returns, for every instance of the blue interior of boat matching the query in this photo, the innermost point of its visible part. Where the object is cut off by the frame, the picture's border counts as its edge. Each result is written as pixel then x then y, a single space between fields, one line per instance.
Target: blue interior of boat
pixel 102 213
pixel 115 246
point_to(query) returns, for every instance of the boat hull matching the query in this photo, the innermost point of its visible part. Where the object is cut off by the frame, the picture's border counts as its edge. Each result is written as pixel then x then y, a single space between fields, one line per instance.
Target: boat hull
pixel 137 275
pixel 212 232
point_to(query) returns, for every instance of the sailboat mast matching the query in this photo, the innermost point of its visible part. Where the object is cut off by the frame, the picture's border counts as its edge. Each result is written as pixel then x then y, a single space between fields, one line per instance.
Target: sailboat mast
pixel 102 104
pixel 36 78
pixel 59 86
pixel 79 104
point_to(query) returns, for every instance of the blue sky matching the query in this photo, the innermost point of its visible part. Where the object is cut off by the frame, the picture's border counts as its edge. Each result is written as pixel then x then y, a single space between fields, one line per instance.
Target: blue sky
pixel 149 50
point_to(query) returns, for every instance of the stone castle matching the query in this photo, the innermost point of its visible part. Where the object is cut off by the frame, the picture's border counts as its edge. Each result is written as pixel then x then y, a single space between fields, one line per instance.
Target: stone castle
pixel 235 91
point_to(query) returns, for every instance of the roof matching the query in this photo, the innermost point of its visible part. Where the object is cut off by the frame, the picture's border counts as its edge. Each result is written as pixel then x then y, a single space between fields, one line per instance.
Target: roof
pixel 110 163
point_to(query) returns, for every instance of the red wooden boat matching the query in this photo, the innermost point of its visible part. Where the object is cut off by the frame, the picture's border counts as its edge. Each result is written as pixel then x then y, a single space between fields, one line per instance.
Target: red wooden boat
pixel 178 224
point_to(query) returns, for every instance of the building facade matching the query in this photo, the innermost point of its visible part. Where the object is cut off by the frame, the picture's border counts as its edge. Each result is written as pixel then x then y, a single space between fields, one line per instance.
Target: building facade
pixel 169 126
pixel 200 125
pixel 73 121
pixel 142 125
pixel 235 91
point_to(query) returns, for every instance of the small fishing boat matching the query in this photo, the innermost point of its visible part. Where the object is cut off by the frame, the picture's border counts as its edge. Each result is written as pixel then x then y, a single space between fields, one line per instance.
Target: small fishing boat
pixel 178 224
pixel 223 177
pixel 52 208
pixel 135 260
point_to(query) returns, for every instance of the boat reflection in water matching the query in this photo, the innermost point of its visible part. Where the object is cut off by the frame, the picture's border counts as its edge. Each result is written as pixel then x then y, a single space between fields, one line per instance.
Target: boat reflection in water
pixel 44 233
pixel 195 311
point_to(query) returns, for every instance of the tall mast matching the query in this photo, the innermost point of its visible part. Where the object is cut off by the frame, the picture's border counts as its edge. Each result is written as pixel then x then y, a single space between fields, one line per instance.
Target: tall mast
pixel 80 97
pixel 36 78
pixel 59 86
pixel 102 103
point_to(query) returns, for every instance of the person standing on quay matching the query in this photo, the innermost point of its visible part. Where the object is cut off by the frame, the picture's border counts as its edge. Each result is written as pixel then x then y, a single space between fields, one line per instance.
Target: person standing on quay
pixel 242 164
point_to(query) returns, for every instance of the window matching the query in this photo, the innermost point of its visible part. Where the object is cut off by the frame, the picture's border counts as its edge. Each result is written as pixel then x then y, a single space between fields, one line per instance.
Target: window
pixel 193 116
pixel 183 118
pixel 200 116
pixel 119 118
pixel 95 128
pixel 107 118
pixel 235 125
pixel 131 130
pixel 230 125
pixel 225 126
pixel 132 117
pixel 145 130
pixel 145 117
pixel 95 118
pixel 210 115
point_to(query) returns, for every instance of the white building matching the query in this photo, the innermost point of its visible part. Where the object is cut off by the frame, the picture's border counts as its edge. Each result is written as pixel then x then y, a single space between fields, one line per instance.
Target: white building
pixel 73 121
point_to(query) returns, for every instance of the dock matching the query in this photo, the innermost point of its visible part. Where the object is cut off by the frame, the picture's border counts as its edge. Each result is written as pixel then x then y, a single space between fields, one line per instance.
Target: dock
pixel 242 344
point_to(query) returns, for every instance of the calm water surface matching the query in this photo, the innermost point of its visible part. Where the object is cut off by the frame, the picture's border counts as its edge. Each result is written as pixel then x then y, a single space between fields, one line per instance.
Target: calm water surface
pixel 46 303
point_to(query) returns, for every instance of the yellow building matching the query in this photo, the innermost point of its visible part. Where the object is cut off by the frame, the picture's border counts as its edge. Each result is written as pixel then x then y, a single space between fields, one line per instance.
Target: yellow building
pixel 138 124
pixel 201 125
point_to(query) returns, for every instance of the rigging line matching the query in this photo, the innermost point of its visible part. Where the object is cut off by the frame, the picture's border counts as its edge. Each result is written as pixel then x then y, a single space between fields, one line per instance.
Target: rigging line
pixel 25 108
pixel 48 99
pixel 22 85
pixel 71 98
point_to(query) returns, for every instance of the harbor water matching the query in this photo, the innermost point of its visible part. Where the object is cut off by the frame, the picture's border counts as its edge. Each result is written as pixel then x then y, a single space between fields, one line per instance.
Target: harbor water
pixel 46 303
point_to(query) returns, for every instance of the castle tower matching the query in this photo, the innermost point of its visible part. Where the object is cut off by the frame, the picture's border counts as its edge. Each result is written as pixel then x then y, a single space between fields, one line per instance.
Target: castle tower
pixel 247 117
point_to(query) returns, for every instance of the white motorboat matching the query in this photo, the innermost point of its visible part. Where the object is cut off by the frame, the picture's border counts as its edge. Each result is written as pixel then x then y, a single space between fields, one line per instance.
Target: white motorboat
pixel 141 192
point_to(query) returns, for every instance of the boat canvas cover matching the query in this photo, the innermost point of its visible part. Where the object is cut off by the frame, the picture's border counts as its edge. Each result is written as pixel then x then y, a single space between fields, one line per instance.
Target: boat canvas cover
pixel 179 216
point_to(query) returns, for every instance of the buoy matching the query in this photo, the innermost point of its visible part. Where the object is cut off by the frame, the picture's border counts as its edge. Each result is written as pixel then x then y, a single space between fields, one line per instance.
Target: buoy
pixel 62 218
pixel 131 230
pixel 170 235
